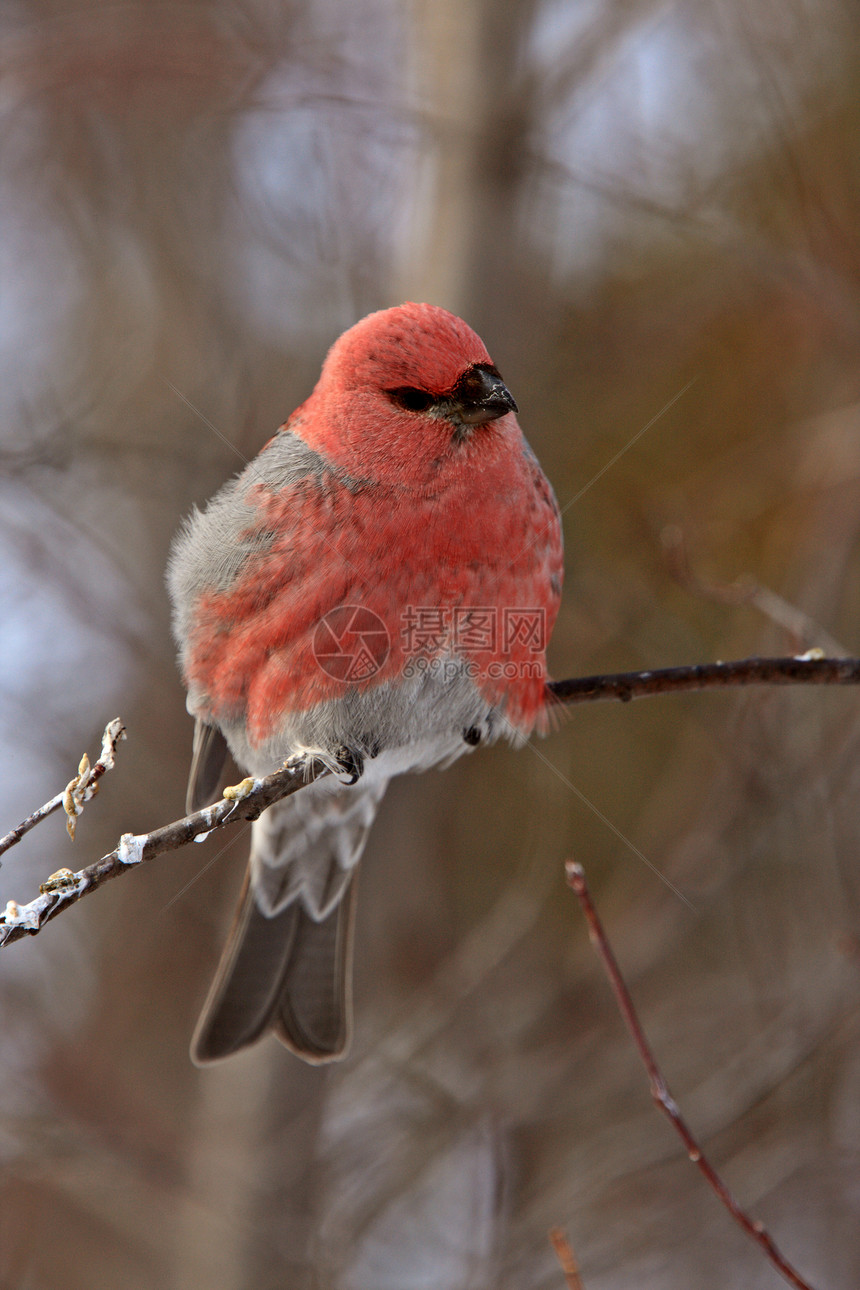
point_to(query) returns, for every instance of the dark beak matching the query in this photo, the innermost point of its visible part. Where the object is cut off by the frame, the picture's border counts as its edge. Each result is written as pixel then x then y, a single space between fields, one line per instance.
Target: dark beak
pixel 481 395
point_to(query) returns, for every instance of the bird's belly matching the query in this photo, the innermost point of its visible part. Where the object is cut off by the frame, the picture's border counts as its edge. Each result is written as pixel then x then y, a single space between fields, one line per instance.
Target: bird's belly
pixel 410 724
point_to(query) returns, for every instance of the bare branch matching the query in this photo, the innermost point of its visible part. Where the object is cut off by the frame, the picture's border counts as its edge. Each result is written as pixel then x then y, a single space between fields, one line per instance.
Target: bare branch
pixel 567 1259
pixel 77 792
pixel 747 590
pixel 248 799
pixel 659 1090
pixel 808 669
pixel 244 801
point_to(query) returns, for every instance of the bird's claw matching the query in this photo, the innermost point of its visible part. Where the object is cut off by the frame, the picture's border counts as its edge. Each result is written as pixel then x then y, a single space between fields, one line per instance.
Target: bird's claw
pixel 349 762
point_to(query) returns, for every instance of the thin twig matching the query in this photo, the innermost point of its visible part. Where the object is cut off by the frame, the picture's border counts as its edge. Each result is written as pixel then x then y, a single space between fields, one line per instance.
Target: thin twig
pixel 65 887
pixel 660 1092
pixel 77 791
pixel 802 630
pixel 245 801
pixel 566 1257
pixel 809 669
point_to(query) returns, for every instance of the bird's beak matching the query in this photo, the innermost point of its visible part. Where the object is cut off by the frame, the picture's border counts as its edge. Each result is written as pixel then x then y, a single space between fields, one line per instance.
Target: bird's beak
pixel 480 396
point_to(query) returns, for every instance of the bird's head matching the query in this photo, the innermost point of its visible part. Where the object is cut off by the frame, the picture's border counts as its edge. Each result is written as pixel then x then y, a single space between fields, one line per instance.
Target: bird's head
pixel 405 393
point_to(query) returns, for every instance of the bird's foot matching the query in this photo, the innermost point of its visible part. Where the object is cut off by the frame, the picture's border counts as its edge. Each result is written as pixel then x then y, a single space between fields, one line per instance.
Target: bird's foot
pixel 349 762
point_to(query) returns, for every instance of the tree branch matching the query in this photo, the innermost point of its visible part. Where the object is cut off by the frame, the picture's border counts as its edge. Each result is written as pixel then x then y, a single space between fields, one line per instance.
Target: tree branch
pixel 77 792
pixel 808 669
pixel 244 801
pixel 659 1089
pixel 567 1259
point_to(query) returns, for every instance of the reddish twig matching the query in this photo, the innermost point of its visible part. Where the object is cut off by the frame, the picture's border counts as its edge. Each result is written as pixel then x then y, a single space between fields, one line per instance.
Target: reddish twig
pixel 809 669
pixel 567 1259
pixel 659 1090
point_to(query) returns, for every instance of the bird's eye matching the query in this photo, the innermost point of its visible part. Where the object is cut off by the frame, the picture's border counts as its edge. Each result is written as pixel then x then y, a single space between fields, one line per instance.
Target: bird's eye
pixel 406 396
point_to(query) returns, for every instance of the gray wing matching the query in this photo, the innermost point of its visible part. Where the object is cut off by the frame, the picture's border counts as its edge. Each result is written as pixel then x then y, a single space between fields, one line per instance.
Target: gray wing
pixel 211 548
pixel 208 759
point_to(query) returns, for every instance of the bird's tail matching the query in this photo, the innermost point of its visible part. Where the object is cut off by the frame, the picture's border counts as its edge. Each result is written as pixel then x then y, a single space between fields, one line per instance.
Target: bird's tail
pixel 290 970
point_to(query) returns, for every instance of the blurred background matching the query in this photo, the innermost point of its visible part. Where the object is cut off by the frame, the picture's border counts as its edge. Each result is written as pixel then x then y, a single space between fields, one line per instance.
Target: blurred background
pixel 649 211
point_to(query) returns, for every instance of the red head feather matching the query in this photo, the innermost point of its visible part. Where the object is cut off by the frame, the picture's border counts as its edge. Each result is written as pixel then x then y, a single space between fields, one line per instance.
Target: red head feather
pixel 350 417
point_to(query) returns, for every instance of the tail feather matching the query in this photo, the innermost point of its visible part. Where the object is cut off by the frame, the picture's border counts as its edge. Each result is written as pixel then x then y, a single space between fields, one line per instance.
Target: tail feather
pixel 246 990
pixel 290 970
pixel 286 973
pixel 314 1013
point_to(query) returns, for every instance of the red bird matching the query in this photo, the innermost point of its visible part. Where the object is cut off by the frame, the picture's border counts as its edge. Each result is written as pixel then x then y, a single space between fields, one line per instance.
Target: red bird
pixel 376 588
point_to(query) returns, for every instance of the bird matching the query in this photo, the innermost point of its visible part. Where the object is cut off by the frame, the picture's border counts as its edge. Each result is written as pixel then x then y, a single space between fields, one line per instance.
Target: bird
pixel 376 590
